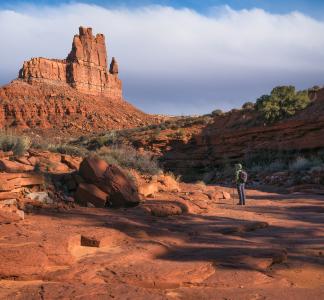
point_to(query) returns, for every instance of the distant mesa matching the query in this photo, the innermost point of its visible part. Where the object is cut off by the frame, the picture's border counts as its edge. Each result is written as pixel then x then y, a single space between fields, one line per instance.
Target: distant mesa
pixel 85 68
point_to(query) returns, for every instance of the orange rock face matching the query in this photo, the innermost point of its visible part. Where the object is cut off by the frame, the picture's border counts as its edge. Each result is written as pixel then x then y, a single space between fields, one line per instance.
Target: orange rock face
pixel 76 95
pixel 84 69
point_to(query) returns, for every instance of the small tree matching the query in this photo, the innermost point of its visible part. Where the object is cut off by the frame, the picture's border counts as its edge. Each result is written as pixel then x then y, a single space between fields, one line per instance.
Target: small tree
pixel 282 102
pixel 248 105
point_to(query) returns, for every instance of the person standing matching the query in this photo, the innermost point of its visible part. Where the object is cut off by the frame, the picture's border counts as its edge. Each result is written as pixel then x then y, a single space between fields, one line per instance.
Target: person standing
pixel 240 179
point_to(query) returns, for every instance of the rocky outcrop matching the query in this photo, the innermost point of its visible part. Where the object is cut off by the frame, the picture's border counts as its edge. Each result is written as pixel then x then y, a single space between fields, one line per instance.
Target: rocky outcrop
pixel 84 69
pixel 43 69
pixel 107 185
pixel 240 135
pixel 75 95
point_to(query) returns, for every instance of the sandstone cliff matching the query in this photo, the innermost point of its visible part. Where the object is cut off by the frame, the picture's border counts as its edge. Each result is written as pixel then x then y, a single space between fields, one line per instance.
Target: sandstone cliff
pixel 74 95
pixel 193 148
pixel 84 69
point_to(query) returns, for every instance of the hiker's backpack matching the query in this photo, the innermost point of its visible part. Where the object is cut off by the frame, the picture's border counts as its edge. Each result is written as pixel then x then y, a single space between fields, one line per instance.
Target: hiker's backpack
pixel 243 176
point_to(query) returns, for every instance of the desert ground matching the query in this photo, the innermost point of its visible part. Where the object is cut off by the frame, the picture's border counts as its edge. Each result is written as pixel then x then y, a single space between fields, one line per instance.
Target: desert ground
pixel 270 249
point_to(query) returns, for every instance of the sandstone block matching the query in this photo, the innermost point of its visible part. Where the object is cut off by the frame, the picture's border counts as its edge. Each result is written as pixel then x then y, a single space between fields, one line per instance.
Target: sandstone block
pixel 89 241
pixel 92 169
pixel 13 166
pixel 71 162
pixel 121 190
pixel 90 193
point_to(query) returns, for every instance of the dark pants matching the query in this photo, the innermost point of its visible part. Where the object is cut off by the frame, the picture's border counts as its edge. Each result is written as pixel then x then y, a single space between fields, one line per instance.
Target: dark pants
pixel 241 192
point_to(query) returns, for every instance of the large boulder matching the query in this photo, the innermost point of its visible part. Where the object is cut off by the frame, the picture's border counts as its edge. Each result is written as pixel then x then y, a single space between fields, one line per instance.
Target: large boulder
pixel 89 193
pixel 110 179
pixel 119 186
pixel 92 169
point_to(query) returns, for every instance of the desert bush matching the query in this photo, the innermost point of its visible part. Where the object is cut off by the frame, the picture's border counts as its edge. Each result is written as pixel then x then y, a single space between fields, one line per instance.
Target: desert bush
pixel 256 168
pixel 276 166
pixel 177 178
pixel 315 88
pixel 217 112
pixel 163 126
pixel 248 105
pixel 107 139
pixel 68 149
pixel 18 144
pixel 282 102
pixel 174 126
pixel 155 133
pixel 263 157
pixel 201 183
pixel 179 134
pixel 130 158
pixel 302 164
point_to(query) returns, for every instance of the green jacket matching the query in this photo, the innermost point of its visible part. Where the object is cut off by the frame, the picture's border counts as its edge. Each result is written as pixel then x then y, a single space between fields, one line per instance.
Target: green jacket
pixel 238 170
pixel 237 176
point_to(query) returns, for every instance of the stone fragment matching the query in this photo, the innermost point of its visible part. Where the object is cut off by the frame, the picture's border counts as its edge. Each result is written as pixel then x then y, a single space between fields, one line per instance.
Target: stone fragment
pixel 226 195
pixel 12 181
pixel 90 193
pixel 165 210
pixel 148 189
pixel 89 241
pixel 41 197
pixel 113 67
pixel 6 154
pixel 8 195
pixel 8 202
pixel 168 183
pixel 71 162
pixel 33 160
pixel 23 160
pixel 13 166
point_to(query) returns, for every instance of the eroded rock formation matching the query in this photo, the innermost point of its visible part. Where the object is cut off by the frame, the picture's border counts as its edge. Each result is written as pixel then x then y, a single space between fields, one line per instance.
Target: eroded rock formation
pixel 79 94
pixel 85 68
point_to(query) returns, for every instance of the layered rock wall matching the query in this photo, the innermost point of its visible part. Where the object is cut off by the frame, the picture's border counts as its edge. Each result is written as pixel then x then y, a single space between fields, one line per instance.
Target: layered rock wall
pixel 43 69
pixel 85 68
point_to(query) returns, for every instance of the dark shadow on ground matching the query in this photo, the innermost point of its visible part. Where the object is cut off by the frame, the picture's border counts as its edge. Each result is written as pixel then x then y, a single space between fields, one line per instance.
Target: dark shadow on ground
pixel 215 238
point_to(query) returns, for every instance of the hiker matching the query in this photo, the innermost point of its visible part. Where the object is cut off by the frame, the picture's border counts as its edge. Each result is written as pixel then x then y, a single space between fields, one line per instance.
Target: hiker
pixel 240 178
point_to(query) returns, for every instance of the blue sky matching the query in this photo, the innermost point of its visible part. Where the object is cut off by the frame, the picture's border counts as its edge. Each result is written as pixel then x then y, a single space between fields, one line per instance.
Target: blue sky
pixel 311 7
pixel 175 60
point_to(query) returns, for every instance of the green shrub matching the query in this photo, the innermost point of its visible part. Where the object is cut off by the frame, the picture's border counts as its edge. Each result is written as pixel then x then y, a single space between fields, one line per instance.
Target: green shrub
pixel 248 106
pixel 68 149
pixel 129 158
pixel 179 134
pixel 163 126
pixel 282 102
pixel 155 133
pixel 107 139
pixel 315 88
pixel 174 126
pixel 301 164
pixel 276 166
pixel 257 168
pixel 217 112
pixel 18 144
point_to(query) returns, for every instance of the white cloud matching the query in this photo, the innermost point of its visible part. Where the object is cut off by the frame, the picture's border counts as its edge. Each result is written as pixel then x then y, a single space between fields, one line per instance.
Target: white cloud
pixel 177 61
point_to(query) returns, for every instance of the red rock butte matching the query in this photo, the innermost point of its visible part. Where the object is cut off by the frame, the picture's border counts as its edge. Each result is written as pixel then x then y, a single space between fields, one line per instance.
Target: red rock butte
pixel 84 69
pixel 76 95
